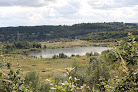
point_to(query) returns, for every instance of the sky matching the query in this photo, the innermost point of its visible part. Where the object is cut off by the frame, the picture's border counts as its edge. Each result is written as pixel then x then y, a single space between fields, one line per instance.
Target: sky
pixel 66 12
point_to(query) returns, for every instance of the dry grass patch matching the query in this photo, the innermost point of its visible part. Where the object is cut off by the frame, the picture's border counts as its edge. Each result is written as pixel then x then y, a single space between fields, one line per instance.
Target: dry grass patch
pixel 44 66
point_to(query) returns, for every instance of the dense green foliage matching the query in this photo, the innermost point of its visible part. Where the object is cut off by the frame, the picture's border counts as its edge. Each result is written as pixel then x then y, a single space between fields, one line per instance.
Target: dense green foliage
pixel 10 80
pixel 47 32
pixel 61 55
pixel 126 53
pixel 35 84
pixel 109 36
pixel 22 46
pixel 71 84
pixel 96 69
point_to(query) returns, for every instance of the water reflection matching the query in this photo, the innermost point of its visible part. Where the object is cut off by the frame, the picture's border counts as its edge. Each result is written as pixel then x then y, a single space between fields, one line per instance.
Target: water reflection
pixel 48 53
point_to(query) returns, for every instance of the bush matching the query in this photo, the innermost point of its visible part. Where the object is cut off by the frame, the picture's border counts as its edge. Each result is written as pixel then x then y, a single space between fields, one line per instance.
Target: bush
pixel 96 69
pixel 33 80
pixel 45 47
pixel 44 87
pixel 127 55
pixel 10 80
pixel 89 54
pixel 61 55
pixel 96 54
pixel 70 85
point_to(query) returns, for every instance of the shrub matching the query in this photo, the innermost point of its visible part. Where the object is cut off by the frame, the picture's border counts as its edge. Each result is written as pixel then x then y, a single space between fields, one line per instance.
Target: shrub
pixel 127 55
pixel 55 57
pixel 9 79
pixel 89 54
pixel 96 54
pixel 33 80
pixel 70 85
pixel 62 55
pixel 96 69
pixel 44 87
pixel 45 46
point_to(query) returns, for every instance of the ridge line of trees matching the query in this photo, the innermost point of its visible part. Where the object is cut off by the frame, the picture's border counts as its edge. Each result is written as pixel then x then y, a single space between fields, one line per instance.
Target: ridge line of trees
pixel 50 32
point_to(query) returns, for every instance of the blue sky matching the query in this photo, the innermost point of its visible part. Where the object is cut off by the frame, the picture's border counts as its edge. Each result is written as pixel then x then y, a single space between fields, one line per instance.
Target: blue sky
pixel 66 12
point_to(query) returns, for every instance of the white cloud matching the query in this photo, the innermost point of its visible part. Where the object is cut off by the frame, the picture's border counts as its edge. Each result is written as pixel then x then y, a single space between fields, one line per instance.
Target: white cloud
pixel 67 12
pixel 109 4
pixel 28 3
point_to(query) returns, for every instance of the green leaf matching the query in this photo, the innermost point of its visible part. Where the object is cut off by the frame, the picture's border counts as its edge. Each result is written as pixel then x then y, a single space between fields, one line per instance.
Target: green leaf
pixel 59 87
pixel 69 70
pixel 129 33
pixel 84 85
pixel 63 90
pixel 133 39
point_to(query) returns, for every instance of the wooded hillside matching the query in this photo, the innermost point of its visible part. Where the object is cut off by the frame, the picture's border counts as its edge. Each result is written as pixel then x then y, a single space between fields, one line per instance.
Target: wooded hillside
pixel 84 31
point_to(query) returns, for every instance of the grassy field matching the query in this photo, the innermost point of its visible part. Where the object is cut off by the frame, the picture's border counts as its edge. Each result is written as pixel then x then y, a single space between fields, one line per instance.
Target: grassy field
pixel 44 66
pixel 73 43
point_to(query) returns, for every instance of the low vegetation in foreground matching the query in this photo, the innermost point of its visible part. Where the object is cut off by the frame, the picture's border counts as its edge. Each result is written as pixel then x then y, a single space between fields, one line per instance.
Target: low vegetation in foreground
pixel 114 70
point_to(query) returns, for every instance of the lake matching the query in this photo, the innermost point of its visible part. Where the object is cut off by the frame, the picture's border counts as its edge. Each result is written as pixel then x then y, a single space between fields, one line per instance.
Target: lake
pixel 48 53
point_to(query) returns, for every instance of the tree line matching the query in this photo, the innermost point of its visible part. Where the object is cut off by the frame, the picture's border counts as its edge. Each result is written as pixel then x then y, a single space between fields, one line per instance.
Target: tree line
pixel 51 32
pixel 22 45
pixel 109 36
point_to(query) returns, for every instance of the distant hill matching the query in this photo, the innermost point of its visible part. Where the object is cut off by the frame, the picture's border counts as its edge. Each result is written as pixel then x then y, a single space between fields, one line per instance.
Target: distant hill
pixel 51 32
pixel 136 23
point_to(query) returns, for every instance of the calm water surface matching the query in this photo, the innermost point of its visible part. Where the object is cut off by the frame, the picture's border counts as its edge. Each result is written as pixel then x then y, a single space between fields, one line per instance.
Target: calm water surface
pixel 48 53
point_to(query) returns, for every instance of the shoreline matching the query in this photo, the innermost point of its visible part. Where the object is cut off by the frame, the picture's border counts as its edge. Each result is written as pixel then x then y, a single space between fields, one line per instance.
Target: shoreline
pixel 80 43
pixel 61 44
